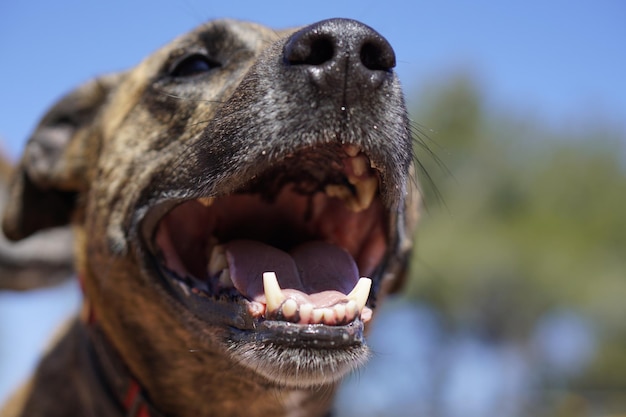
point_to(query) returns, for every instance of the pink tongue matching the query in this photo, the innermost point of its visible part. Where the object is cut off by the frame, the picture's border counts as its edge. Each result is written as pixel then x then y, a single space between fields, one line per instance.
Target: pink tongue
pixel 311 267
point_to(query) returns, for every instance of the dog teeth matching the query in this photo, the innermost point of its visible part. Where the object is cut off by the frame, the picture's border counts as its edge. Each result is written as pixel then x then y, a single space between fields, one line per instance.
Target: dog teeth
pixel 306 311
pixel 329 314
pixel 340 312
pixel 352 150
pixel 217 260
pixel 339 191
pixel 225 279
pixel 366 191
pixel 274 297
pixel 351 309
pixel 359 165
pixel 343 193
pixel 256 309
pixel 360 293
pixel 206 201
pixel 185 288
pixel 290 308
pixel 317 315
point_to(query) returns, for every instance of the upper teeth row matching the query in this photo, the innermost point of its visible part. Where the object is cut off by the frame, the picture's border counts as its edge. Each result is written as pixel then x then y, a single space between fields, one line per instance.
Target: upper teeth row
pixel 365 185
pixel 365 193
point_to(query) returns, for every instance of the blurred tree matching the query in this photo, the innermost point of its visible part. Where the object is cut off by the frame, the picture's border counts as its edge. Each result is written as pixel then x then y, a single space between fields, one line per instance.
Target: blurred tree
pixel 530 220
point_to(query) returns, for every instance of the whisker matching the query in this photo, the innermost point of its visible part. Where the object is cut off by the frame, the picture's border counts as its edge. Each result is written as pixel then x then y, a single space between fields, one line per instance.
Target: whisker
pixel 419 139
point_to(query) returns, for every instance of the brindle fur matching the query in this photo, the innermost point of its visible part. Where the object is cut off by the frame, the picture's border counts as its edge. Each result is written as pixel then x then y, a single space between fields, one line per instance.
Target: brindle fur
pixel 42 260
pixel 119 144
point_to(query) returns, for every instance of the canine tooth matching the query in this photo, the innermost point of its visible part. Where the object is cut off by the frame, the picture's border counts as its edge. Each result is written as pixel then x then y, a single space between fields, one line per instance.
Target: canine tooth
pixel 225 279
pixel 306 310
pixel 217 261
pixel 290 308
pixel 206 201
pixel 365 191
pixel 274 296
pixel 360 293
pixel 352 150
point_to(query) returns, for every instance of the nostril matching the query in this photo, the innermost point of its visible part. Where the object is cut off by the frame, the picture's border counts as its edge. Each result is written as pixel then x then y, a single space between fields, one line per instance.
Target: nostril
pixel 377 56
pixel 310 50
pixel 340 56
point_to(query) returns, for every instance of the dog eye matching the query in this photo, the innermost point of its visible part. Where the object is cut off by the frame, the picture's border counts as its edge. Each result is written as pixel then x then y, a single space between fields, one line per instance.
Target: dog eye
pixel 193 65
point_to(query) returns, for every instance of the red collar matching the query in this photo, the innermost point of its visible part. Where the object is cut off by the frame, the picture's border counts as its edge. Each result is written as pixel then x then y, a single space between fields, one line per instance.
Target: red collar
pixel 113 373
pixel 135 403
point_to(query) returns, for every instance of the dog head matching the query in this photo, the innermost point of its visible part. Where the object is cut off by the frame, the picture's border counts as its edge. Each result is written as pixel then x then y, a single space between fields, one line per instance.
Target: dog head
pixel 228 194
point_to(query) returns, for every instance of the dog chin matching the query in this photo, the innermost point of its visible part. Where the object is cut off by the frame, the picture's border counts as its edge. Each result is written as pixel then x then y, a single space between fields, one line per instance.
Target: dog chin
pixel 298 368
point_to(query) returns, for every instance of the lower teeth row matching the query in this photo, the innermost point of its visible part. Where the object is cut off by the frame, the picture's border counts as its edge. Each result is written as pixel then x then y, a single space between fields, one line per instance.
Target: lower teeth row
pixel 308 314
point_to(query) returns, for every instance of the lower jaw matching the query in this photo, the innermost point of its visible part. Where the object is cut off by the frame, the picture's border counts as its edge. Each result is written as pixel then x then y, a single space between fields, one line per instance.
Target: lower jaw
pixel 281 354
pixel 232 313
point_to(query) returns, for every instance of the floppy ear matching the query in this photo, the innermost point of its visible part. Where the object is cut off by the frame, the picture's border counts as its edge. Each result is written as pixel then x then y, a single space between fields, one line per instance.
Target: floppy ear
pixel 54 166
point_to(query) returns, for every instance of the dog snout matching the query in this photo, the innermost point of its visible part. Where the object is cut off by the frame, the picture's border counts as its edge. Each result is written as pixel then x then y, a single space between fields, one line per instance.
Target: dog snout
pixel 340 56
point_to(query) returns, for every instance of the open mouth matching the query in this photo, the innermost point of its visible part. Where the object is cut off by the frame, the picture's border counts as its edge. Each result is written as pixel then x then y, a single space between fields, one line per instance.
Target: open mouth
pixel 298 248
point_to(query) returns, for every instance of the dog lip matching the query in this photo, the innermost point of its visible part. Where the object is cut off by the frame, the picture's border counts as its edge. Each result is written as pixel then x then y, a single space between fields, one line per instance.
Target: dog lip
pixel 316 336
pixel 223 310
pixel 150 216
pixel 245 328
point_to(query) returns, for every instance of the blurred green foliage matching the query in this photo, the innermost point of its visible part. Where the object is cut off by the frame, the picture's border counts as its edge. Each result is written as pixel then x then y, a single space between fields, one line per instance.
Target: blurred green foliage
pixel 521 220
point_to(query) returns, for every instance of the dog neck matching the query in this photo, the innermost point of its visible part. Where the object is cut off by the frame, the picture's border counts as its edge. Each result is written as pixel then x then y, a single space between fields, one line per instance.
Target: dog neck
pixel 126 394
pixel 109 371
pixel 114 378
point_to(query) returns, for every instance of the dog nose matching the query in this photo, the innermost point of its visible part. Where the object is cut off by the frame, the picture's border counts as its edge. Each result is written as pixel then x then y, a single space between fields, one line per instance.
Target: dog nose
pixel 341 55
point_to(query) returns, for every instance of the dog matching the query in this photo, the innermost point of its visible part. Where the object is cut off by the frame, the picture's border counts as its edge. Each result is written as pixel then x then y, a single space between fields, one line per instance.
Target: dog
pixel 242 201
pixel 42 260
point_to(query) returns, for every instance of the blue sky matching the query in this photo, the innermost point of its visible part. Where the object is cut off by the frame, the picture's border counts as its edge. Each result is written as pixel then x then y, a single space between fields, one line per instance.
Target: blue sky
pixel 563 62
